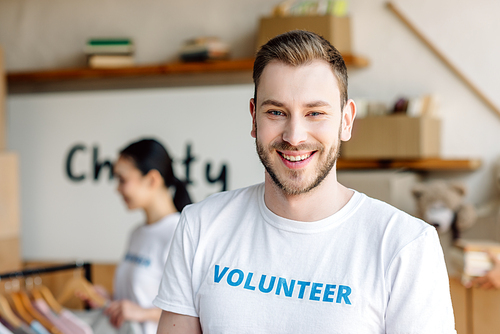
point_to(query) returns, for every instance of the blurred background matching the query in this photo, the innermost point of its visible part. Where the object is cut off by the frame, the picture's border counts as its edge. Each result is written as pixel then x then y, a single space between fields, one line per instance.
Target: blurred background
pixel 72 99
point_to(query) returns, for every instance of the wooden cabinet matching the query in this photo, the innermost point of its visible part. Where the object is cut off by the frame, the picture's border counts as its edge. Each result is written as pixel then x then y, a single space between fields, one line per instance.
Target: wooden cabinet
pixel 460 306
pixel 476 311
pixel 10 253
pixel 485 311
pixel 3 113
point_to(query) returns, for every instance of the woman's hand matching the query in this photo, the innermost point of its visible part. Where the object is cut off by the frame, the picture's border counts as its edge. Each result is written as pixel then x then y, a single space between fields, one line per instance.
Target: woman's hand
pixel 122 310
pixel 99 290
pixel 125 310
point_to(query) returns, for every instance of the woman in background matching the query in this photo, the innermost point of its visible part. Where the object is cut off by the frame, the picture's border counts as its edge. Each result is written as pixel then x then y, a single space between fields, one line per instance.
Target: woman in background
pixel 145 180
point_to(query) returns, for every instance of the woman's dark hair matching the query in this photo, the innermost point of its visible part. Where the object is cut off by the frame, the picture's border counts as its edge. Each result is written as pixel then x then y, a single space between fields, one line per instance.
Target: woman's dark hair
pixel 149 154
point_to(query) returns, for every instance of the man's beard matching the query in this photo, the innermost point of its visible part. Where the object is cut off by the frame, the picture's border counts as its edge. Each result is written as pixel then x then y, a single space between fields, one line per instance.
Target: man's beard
pixel 284 182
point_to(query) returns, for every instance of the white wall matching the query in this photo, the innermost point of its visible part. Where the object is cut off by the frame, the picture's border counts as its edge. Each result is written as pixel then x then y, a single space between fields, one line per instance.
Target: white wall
pixel 48 33
pixel 63 219
pixel 51 33
pixel 465 32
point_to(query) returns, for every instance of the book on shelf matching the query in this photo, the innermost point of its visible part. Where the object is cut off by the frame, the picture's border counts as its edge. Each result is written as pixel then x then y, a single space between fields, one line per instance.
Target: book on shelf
pixel 204 48
pixel 109 52
pixel 471 258
pixel 109 46
pixel 110 61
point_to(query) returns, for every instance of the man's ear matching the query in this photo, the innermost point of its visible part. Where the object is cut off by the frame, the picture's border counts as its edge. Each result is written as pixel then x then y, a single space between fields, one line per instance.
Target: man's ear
pixel 253 133
pixel 348 115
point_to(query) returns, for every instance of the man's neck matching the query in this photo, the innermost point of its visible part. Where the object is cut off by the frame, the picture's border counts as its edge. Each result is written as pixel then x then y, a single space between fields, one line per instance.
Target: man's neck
pixel 319 203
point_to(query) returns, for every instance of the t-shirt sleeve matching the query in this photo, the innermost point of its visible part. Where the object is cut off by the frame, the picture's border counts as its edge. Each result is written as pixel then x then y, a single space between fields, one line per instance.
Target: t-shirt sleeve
pixel 418 284
pixel 176 292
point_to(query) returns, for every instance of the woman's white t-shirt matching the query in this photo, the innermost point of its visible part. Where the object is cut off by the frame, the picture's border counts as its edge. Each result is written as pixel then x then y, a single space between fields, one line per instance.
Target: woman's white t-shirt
pixel 138 276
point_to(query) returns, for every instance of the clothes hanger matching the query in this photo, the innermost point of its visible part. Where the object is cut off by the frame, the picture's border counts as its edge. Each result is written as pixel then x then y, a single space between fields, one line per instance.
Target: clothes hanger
pixel 23 296
pixel 7 314
pixel 40 291
pixel 36 294
pixel 28 306
pixel 18 304
pixel 81 285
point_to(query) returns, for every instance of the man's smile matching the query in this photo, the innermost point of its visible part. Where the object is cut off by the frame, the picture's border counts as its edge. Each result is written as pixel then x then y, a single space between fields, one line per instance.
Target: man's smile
pixel 296 160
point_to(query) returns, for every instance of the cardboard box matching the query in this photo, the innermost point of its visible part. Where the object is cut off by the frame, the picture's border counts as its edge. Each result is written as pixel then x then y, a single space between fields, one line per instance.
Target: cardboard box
pixel 393 187
pixel 3 103
pixel 9 195
pixel 484 308
pixel 394 137
pixel 335 29
pixel 10 254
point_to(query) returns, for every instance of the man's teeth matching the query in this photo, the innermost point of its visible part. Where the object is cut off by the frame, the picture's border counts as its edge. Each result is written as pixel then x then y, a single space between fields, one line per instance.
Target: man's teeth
pixel 296 157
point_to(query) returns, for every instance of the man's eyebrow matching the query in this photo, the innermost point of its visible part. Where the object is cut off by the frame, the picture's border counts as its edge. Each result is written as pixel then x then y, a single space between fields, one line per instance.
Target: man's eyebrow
pixel 272 103
pixel 313 104
pixel 317 104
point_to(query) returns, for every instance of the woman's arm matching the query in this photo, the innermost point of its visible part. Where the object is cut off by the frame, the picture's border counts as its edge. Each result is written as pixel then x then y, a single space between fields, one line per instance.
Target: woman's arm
pixel 125 310
pixel 173 323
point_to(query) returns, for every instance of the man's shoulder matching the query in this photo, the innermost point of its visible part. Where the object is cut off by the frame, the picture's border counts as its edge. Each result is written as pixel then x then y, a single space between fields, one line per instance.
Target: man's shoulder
pixel 389 228
pixel 395 218
pixel 383 208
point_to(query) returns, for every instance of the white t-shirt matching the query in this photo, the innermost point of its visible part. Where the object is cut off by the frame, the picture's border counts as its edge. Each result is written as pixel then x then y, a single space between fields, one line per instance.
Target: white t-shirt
pixel 139 274
pixel 369 268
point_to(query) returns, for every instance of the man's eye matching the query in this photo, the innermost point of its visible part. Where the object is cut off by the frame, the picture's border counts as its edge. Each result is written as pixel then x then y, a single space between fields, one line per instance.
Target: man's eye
pixel 275 112
pixel 315 113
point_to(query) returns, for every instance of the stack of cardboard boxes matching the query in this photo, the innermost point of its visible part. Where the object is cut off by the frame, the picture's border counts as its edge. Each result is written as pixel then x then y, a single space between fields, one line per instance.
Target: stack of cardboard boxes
pixel 337 30
pixel 394 137
pixel 10 252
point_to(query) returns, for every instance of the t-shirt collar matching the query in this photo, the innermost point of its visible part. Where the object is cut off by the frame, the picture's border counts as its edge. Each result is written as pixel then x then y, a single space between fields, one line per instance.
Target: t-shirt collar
pixel 309 227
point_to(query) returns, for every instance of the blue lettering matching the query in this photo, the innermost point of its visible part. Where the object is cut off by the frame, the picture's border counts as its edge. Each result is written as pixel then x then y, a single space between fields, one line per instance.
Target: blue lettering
pixel 248 281
pixel 230 277
pixel 315 290
pixel 303 286
pixel 344 292
pixel 235 277
pixel 288 290
pixel 328 293
pixel 263 280
pixel 217 276
pixel 137 260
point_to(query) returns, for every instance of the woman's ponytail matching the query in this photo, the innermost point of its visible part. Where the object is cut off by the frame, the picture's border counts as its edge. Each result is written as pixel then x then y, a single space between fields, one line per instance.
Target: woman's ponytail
pixel 181 197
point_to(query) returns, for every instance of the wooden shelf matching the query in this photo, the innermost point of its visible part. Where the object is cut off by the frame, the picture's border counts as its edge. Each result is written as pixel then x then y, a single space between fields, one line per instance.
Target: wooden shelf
pixel 423 165
pixel 148 70
pixel 234 65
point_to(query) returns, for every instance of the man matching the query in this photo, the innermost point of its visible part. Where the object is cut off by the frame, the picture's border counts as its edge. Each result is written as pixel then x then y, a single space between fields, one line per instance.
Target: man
pixel 302 253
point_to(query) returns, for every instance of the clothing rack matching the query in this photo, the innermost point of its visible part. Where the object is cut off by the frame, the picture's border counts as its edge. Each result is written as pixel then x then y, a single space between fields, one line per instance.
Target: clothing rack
pixel 35 271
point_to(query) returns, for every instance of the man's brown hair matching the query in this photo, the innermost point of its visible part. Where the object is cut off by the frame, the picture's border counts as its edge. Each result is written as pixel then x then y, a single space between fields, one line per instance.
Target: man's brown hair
pixel 299 47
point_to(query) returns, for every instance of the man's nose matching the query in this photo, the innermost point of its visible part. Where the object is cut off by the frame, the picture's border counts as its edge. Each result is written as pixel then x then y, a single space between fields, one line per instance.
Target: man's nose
pixel 295 131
